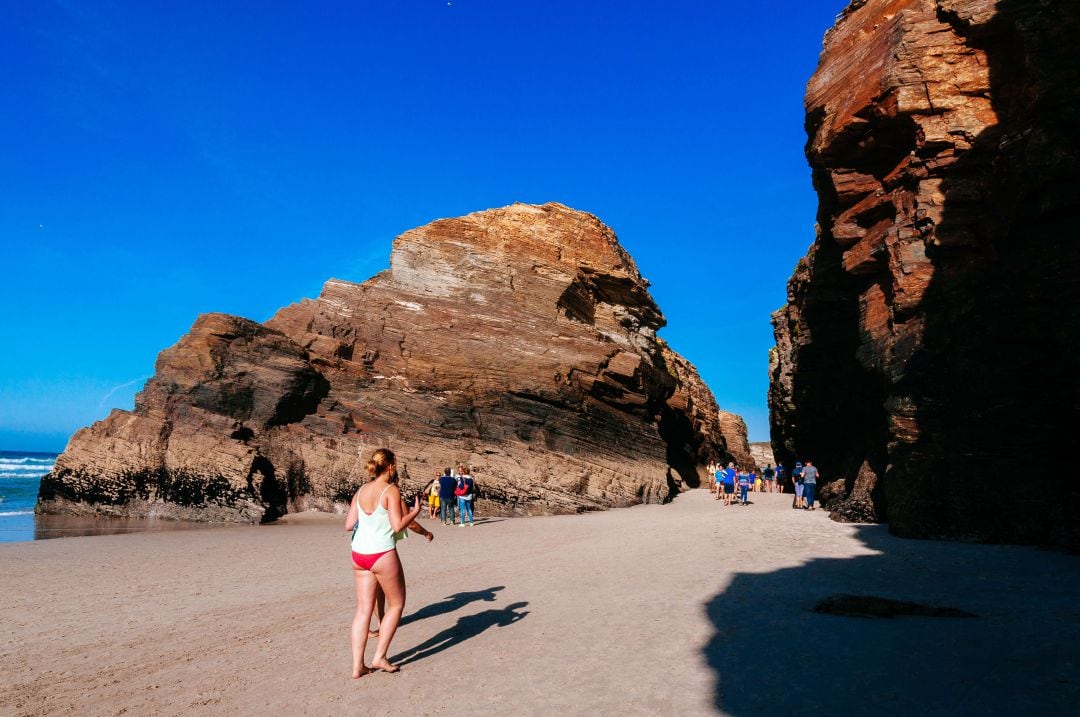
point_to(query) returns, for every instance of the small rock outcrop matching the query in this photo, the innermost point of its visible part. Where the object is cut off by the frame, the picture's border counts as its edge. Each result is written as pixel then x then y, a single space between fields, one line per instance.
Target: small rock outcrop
pixel 927 354
pixel 733 428
pixel 520 341
pixel 762 454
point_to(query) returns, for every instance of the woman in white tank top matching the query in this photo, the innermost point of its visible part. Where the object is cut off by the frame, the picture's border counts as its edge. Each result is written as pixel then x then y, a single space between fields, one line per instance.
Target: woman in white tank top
pixel 376 514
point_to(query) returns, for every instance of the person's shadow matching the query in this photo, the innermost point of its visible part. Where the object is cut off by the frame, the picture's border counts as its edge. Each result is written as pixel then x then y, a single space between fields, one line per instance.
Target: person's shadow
pixel 466 627
pixel 450 604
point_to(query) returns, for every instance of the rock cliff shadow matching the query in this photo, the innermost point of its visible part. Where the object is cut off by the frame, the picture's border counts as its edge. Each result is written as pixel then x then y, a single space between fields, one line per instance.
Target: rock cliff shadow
pixel 466 628
pixel 772 654
pixel 451 603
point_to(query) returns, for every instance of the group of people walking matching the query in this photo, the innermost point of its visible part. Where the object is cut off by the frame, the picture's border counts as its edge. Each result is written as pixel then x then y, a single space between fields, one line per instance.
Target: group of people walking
pixel 454 488
pixel 379 518
pixel 723 481
pixel 805 480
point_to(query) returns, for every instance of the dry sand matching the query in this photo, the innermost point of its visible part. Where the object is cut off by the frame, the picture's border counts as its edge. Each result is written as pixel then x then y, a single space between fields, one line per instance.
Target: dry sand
pixel 684 609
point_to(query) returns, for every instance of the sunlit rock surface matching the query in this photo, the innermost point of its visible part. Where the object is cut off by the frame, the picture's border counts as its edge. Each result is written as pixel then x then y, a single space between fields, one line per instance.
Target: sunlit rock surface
pixel 520 341
pixel 927 356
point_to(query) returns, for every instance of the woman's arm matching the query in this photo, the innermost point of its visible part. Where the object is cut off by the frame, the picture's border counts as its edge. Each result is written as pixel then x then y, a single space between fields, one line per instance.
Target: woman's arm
pixel 421 530
pixel 415 525
pixel 351 517
pixel 394 500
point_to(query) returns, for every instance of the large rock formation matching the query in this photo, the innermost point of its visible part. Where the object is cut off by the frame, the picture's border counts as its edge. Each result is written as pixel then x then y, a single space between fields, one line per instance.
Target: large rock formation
pixel 927 356
pixel 520 341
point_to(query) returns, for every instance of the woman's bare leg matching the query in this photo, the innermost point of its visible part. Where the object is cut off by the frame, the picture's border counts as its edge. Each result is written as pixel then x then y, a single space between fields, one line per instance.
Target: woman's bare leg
pixel 365 604
pixel 391 578
pixel 380 608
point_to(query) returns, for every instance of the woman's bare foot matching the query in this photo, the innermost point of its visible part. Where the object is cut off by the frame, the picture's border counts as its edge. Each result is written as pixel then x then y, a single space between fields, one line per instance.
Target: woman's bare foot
pixel 384 665
pixel 373 633
pixel 357 674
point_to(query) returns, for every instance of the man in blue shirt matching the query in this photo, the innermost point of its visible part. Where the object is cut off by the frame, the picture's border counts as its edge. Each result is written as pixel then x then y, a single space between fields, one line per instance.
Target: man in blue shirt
pixel 796 478
pixel 729 483
pixel 447 499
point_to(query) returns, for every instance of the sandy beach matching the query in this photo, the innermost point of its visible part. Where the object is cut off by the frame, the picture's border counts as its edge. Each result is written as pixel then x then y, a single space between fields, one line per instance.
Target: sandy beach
pixel 684 609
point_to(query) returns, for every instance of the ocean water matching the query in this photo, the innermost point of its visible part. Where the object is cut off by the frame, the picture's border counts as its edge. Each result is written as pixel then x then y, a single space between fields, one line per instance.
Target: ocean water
pixel 20 474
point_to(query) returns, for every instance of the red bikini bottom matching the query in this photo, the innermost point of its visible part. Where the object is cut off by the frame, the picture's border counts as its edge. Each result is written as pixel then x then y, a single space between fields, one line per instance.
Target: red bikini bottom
pixel 365 562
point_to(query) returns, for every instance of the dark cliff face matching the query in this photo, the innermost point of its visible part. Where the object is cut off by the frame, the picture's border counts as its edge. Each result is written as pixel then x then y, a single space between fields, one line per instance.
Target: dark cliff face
pixel 927 355
pixel 518 341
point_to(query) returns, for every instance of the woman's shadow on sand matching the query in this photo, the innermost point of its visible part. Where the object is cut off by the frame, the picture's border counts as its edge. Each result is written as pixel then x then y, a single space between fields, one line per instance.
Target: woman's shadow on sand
pixel 466 627
pixel 451 603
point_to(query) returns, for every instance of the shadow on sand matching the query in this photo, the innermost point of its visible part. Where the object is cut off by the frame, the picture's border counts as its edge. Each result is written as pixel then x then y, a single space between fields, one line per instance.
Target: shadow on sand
pixel 466 627
pixel 450 604
pixel 771 654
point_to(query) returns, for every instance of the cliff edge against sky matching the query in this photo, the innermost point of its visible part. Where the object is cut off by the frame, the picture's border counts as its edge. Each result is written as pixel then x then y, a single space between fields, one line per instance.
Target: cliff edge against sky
pixel 520 341
pixel 927 354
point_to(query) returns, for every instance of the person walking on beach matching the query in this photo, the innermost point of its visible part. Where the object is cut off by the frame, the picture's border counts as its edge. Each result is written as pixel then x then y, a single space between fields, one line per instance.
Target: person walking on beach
pixel 374 516
pixel 770 478
pixel 809 476
pixel 729 483
pixel 779 478
pixel 796 478
pixel 380 596
pixel 433 498
pixel 464 493
pixel 447 499
pixel 744 485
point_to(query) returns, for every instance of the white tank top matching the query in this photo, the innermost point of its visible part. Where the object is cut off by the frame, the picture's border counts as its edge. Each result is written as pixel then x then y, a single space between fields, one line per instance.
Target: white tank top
pixel 373 534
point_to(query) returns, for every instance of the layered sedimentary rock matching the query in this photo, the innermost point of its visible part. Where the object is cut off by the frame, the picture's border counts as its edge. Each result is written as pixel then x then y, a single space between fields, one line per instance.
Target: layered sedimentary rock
pixel 733 428
pixel 519 341
pixel 762 454
pixel 927 353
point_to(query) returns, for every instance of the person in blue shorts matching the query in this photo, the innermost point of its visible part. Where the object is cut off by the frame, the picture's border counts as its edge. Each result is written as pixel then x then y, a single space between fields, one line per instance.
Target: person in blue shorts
pixel 796 478
pixel 729 483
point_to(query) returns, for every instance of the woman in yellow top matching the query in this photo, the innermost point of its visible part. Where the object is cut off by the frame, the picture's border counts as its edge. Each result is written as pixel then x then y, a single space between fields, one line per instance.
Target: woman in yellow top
pixel 433 500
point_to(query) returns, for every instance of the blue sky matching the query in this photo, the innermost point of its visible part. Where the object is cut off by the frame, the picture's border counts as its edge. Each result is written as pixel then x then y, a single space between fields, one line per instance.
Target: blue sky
pixel 166 159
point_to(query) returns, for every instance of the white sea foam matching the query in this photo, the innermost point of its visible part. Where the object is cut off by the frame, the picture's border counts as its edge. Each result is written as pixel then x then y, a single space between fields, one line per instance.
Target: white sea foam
pixel 23 461
pixel 32 473
pixel 6 513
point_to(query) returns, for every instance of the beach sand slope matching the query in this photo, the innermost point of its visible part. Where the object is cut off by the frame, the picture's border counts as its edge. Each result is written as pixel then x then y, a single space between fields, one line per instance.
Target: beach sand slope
pixel 682 609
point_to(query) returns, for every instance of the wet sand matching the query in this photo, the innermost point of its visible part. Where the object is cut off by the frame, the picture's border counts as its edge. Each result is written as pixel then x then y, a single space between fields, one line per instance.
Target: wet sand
pixel 21 528
pixel 690 608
